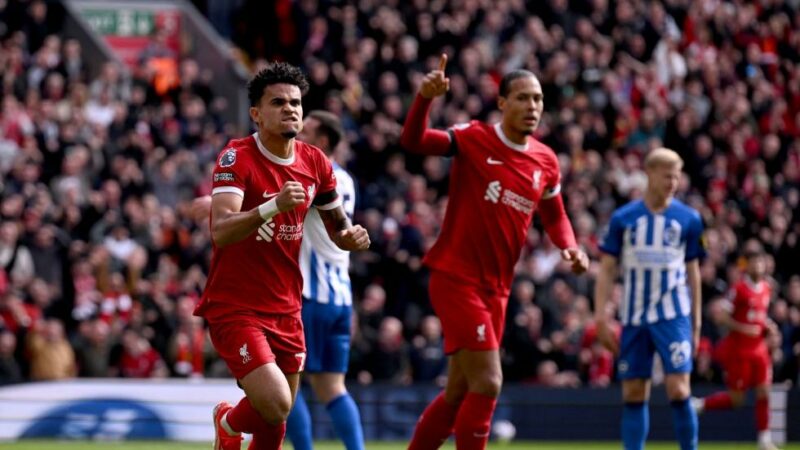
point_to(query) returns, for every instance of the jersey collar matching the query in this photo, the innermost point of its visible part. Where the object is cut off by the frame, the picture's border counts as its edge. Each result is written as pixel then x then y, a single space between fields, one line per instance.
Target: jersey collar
pixel 271 156
pixel 754 285
pixel 499 130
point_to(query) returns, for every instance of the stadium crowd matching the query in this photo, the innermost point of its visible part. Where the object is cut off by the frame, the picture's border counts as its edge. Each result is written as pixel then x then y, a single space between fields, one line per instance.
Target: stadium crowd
pixel 101 263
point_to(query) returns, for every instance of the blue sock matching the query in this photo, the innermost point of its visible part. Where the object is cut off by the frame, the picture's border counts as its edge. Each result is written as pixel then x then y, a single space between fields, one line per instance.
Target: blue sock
pixel 635 425
pixel 347 421
pixel 298 425
pixel 684 418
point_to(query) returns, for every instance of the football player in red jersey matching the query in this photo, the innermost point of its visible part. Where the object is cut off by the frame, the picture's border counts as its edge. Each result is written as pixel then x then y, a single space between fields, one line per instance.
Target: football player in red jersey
pixel 500 175
pixel 743 352
pixel 263 186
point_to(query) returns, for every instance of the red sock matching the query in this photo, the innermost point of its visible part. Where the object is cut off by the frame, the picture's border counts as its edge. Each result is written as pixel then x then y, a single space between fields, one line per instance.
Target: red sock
pixel 244 418
pixel 762 414
pixel 435 425
pixel 473 421
pixel 269 439
pixel 720 400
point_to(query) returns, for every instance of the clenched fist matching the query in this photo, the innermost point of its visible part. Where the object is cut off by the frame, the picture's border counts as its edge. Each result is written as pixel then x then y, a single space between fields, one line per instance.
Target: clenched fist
pixel 353 239
pixel 291 196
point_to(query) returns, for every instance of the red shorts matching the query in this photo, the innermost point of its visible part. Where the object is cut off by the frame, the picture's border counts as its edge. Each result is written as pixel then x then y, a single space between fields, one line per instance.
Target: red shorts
pixel 472 316
pixel 247 342
pixel 747 370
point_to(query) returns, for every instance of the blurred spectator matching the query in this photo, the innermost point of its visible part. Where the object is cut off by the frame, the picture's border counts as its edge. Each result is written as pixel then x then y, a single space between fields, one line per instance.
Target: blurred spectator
pixel 10 370
pixel 51 355
pixel 388 361
pixel 428 361
pixel 138 359
pixel 93 348
pixel 15 258
pixel 17 315
pixel 547 374
pixel 189 345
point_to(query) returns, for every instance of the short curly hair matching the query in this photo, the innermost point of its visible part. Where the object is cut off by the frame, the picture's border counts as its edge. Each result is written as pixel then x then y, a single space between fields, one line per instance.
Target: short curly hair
pixel 275 73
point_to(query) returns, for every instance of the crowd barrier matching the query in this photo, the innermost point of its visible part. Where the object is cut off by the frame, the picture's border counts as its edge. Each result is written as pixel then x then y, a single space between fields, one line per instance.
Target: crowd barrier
pixel 180 410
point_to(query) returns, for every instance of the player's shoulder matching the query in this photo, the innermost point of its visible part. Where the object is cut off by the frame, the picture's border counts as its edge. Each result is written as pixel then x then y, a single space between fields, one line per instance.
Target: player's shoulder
pixel 242 143
pixel 542 150
pixel 306 151
pixel 235 151
pixel 681 209
pixel 629 211
pixel 471 126
pixel 740 288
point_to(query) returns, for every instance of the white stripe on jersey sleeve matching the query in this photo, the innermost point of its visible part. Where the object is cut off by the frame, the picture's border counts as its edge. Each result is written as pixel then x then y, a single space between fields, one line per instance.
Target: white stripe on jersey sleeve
pixel 228 190
pixel 331 205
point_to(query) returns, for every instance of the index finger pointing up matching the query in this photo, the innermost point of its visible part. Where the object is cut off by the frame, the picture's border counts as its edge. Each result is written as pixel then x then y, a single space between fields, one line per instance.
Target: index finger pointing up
pixel 442 61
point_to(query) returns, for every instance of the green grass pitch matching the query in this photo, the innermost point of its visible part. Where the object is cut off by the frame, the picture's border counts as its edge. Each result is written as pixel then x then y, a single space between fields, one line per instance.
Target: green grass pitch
pixel 163 445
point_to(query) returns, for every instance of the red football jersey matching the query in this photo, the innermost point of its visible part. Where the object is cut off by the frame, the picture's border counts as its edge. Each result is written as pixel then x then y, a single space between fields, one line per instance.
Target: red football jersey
pixel 261 273
pixel 495 186
pixel 750 303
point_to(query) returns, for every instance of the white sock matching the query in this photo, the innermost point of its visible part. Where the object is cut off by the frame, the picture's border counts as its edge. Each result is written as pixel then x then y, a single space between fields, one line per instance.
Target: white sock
pixel 699 404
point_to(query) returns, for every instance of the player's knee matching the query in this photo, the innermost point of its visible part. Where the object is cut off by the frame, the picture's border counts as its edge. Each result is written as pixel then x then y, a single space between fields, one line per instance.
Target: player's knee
pixel 328 390
pixel 488 383
pixel 679 391
pixel 679 387
pixel 275 410
pixel 634 397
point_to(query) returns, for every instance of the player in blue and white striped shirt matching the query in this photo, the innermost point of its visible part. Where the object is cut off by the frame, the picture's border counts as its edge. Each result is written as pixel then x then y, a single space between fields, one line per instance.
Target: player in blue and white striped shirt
pixel 657 241
pixel 327 306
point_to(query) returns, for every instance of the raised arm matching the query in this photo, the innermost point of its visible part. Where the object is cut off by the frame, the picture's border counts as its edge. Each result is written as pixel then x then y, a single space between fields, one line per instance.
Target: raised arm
pixel 416 136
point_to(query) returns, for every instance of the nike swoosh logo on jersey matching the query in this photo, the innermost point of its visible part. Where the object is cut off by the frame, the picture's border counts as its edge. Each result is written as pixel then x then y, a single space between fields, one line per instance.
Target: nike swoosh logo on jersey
pixel 268 195
pixel 493 162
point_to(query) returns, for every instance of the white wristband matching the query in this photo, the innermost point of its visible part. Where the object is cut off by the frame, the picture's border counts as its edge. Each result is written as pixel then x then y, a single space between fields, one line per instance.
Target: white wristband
pixel 268 209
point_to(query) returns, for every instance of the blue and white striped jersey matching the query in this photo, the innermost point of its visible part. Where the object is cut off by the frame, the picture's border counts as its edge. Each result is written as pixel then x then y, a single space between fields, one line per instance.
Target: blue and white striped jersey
pixel 653 250
pixel 324 265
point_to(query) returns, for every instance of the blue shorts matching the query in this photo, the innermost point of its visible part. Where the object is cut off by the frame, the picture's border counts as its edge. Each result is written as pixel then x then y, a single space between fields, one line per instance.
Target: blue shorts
pixel 327 329
pixel 672 339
